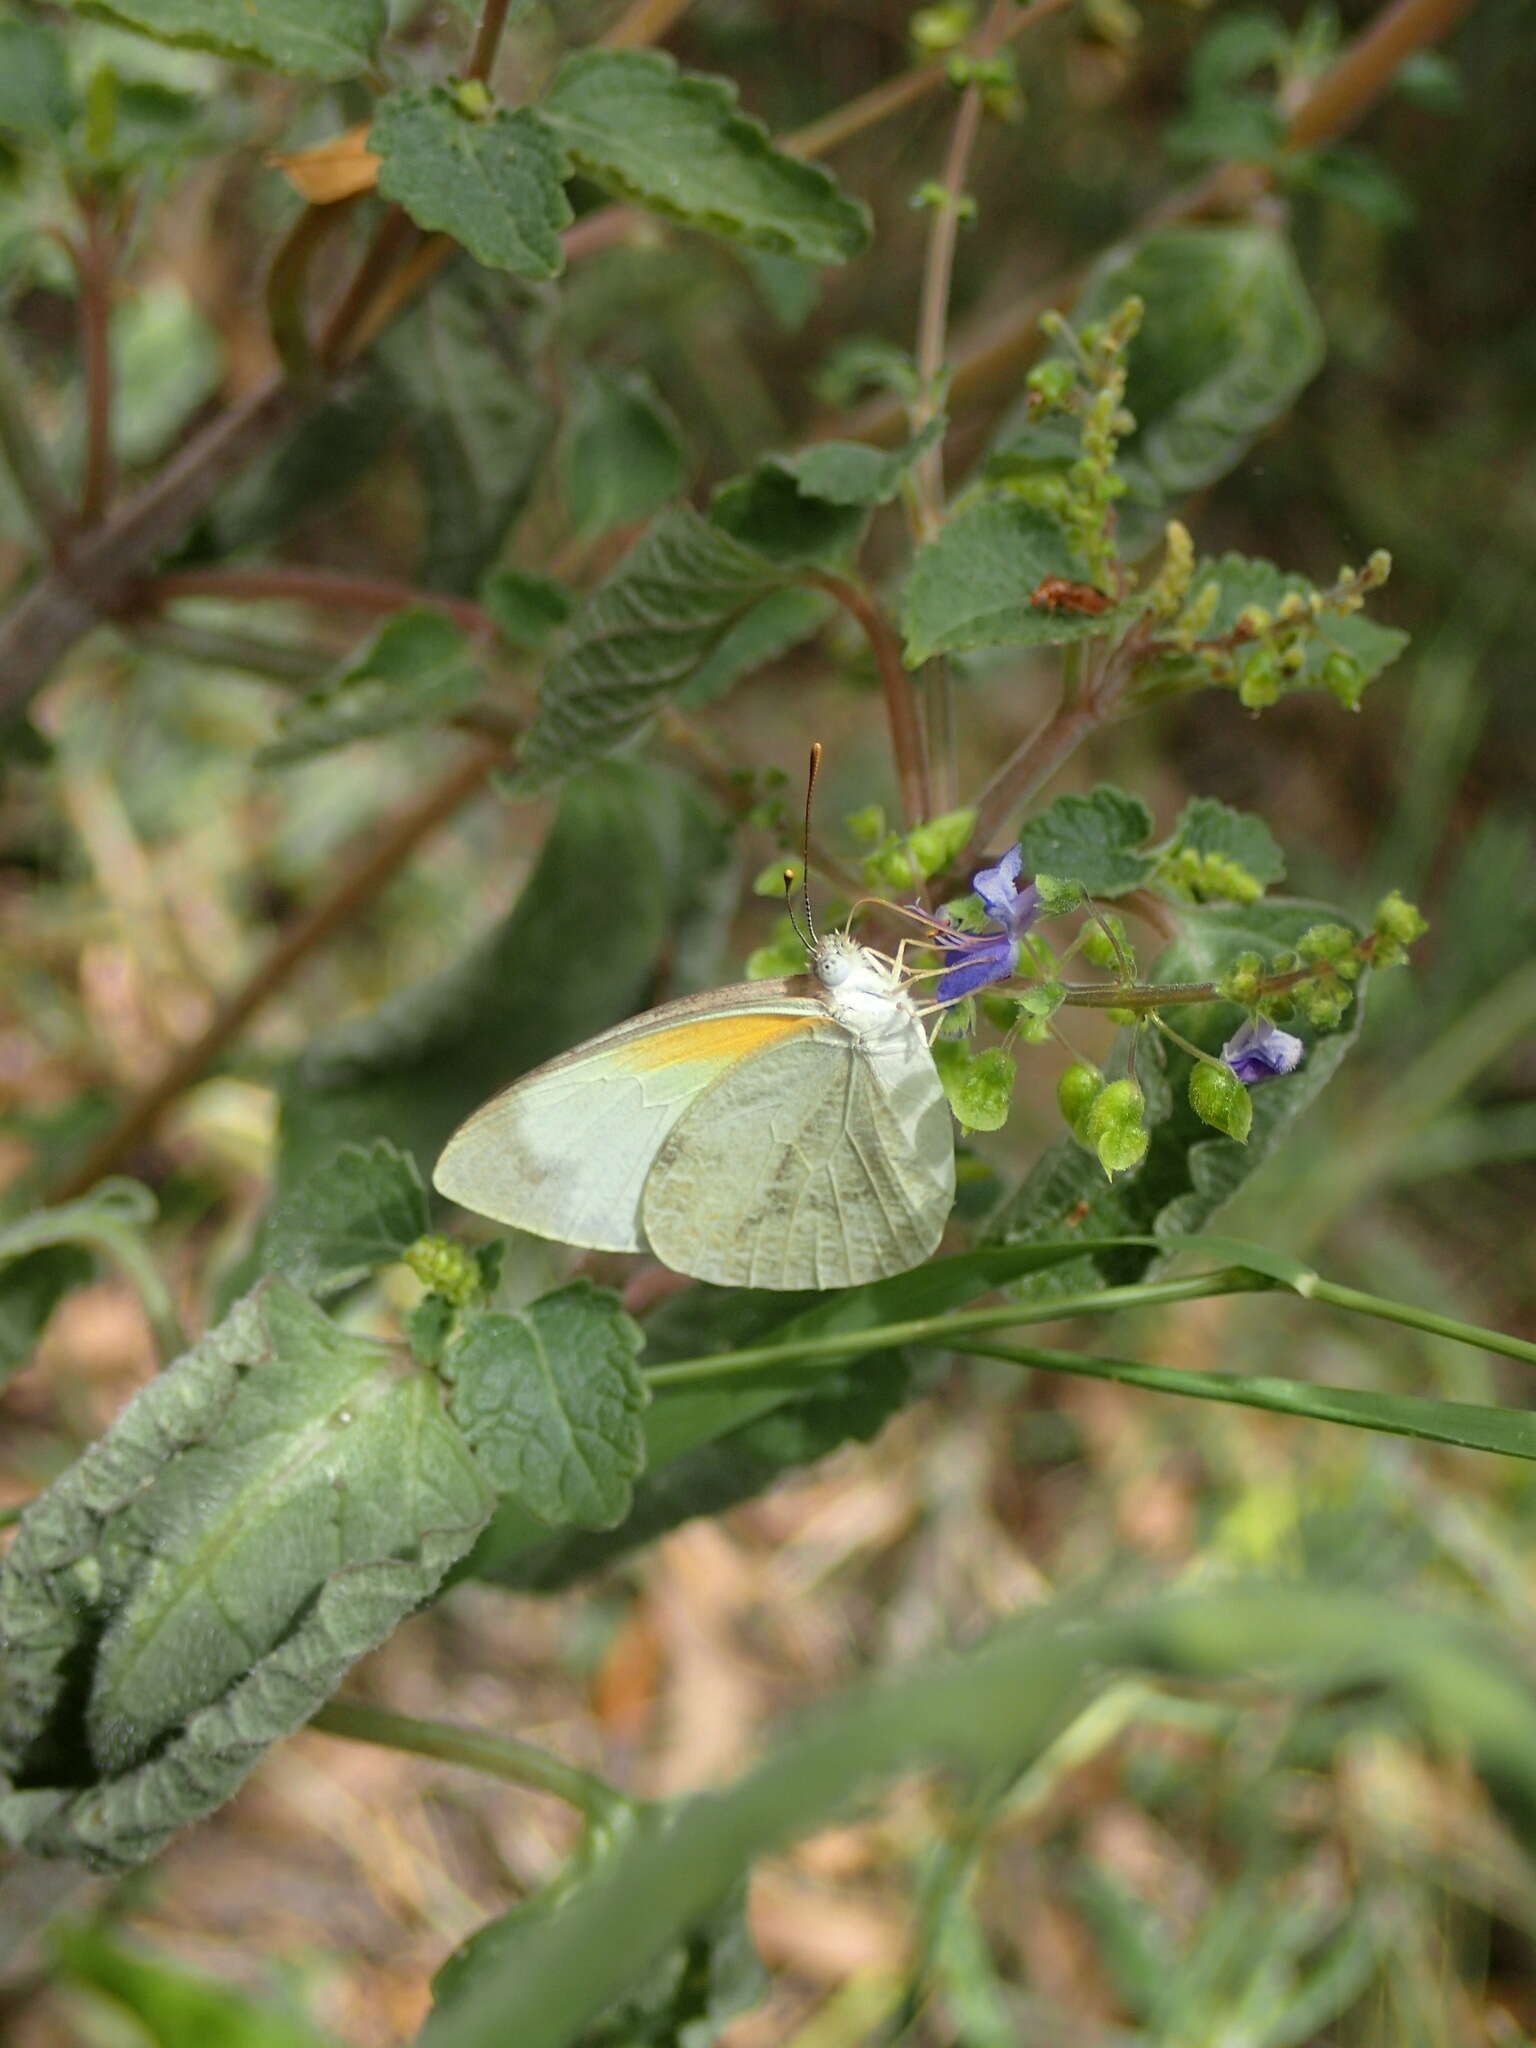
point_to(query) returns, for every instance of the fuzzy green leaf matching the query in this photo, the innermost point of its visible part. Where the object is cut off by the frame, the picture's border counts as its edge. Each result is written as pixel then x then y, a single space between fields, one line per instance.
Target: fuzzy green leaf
pixel 494 182
pixel 308 38
pixel 979 1085
pixel 417 670
pixel 640 637
pixel 676 142
pixel 768 512
pixel 1094 840
pixel 194 1586
pixel 36 98
pixel 851 472
pixel 360 1210
pixel 551 1398
pixel 971 584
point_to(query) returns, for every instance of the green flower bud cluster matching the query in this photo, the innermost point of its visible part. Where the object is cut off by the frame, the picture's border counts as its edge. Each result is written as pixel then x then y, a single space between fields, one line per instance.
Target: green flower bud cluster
pixel 1333 952
pixel 902 860
pixel 447 1268
pixel 1167 592
pixel 1396 925
pixel 1089 382
pixel 1107 1118
pixel 936 29
pixel 1219 1099
pixel 996 78
pixel 1264 651
pixel 1207 877
pixel 933 195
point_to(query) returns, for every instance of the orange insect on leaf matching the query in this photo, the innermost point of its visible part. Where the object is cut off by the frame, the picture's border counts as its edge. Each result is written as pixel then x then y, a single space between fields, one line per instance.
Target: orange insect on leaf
pixel 1061 594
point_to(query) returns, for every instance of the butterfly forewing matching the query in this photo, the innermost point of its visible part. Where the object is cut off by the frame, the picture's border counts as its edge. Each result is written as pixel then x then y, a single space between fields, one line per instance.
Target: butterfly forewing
pixel 817 1163
pixel 564 1153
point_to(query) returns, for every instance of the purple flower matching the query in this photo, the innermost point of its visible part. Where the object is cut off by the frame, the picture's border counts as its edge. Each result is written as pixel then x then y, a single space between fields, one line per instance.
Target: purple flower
pixel 991 956
pixel 1259 1050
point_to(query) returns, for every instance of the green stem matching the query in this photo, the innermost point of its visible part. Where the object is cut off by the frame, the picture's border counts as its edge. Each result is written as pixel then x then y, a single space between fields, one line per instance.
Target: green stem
pixel 840 1345
pixel 1411 1318
pixel 497 1756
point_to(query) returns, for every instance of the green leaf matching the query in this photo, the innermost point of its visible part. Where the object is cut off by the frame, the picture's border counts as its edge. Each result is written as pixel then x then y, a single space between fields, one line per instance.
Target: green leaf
pixel 768 512
pixel 36 99
pixel 979 1084
pixel 683 2001
pixel 640 637
pixel 769 629
pixel 674 141
pixel 624 456
pixel 193 1587
pixel 1208 826
pixel 325 455
pixel 988 1712
pixel 851 472
pixel 309 38
pixel 417 670
pixel 1243 580
pixel 1229 339
pixel 1188 1173
pixel 494 182
pixel 970 586
pixel 479 422
pixel 175 2007
pixel 528 609
pixel 580 950
pixel 1094 840
pixel 1470 1425
pixel 550 1398
pixel 361 1210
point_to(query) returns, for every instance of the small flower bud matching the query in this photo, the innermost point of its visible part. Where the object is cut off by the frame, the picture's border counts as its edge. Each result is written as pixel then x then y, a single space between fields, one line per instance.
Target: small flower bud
pixel 1052 382
pixel 447 1267
pixel 1398 919
pixel 1122 1147
pixel 1076 1092
pixel 1100 948
pixel 1219 1099
pixel 1118 1104
pixel 1258 681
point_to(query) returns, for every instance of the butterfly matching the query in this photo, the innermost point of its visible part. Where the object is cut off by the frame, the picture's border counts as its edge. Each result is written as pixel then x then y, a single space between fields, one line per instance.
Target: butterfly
pixel 778 1134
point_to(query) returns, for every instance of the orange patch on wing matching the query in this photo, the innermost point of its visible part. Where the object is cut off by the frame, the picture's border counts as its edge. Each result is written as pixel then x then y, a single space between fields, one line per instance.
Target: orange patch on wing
pixel 709 1038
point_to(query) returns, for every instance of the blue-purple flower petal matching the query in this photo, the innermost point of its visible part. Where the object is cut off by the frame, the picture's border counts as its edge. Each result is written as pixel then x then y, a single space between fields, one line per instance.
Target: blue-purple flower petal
pixel 985 957
pixel 1259 1050
pixel 998 887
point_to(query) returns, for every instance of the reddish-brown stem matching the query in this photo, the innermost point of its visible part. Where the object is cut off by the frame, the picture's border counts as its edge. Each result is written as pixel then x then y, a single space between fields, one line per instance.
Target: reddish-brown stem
pixel 339 341
pixel 96 262
pixel 364 875
pixel 900 697
pixel 1364 70
pixel 326 587
pixel 1027 770
pixel 482 55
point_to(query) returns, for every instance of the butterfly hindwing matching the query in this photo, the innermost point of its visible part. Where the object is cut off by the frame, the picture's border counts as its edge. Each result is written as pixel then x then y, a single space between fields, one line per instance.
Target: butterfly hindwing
pixel 816 1163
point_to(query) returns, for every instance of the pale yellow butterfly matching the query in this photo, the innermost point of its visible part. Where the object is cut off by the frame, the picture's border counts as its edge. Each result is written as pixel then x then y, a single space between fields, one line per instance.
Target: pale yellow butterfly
pixel 778 1134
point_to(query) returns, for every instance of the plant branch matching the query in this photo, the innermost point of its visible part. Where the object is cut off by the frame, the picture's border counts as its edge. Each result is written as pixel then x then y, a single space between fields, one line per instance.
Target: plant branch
pixel 1366 68
pixel 900 697
pixel 496 1756
pixel 329 588
pixel 1028 769
pixel 482 55
pixel 362 877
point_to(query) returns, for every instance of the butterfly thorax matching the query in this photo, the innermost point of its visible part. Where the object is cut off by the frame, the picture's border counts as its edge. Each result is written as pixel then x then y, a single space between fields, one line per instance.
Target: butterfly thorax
pixel 865 993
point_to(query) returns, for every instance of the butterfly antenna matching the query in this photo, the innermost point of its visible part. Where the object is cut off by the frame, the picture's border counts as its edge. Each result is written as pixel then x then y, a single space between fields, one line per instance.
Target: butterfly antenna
pixel 805 841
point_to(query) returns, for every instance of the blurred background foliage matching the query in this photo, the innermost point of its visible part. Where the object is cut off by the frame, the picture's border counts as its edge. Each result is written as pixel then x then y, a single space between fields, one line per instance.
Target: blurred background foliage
pixel 1180 1868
